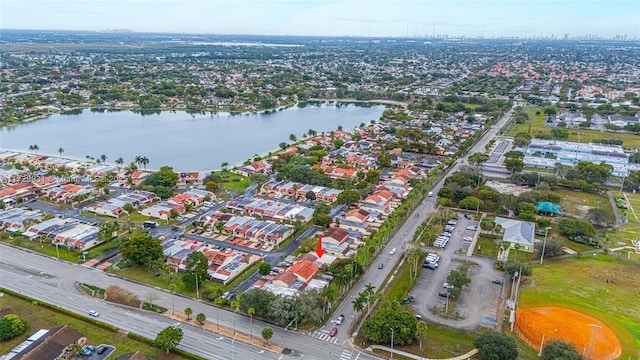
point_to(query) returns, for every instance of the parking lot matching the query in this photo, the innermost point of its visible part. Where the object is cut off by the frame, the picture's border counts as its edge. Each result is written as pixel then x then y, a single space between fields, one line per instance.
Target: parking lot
pixel 108 350
pixel 478 301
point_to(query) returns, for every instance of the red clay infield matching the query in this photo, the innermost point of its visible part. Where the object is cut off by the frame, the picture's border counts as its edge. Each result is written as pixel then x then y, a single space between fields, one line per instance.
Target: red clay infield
pixel 581 330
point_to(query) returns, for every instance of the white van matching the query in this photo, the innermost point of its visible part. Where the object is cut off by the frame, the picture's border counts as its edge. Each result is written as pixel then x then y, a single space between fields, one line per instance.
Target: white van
pixel 430 194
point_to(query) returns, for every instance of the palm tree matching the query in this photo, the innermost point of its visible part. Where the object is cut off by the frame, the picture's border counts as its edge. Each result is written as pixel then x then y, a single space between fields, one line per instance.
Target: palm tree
pixel 224 166
pixel 516 247
pixel 235 306
pixel 61 151
pixel 421 331
pixel 35 148
pixel 103 157
pixel 119 161
pixel 188 311
pixel 293 138
pixel 138 160
pixel 201 318
pixel 31 148
pixel 358 303
pixel 251 311
pixel 144 161
pixel 219 301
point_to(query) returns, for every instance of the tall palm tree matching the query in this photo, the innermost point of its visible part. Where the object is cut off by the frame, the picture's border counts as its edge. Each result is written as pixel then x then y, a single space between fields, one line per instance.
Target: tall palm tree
pixel 224 166
pixel 358 303
pixel 119 161
pixel 293 138
pixel 137 160
pixel 61 151
pixel 31 148
pixel 36 147
pixel 144 161
pixel 251 311
pixel 103 157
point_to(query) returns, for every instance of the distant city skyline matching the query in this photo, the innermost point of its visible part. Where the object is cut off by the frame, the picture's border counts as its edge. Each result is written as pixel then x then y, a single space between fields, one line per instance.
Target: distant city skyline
pixel 376 18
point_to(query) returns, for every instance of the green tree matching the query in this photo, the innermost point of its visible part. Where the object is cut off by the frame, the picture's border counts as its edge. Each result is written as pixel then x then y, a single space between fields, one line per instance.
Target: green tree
pixel 478 158
pixel 293 138
pixel 458 279
pixel 251 311
pixel 471 203
pixel 141 249
pixel 264 269
pixel 195 270
pixel 119 161
pixel 576 228
pixel 384 160
pixel 348 197
pixel 12 325
pixel 267 333
pixel 60 151
pixel 493 345
pixel 188 311
pixel 128 208
pixel 259 300
pixel 169 338
pixel 201 318
pixel 377 327
pixel 514 165
pixel 283 145
pixel 560 350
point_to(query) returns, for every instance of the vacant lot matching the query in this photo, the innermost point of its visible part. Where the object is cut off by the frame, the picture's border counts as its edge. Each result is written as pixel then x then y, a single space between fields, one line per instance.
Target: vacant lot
pixel 629 140
pixel 43 318
pixel 535 124
pixel 586 284
pixel 577 203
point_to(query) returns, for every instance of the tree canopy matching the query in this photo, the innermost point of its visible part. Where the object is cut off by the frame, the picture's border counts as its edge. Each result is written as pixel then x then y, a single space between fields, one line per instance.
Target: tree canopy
pixel 559 350
pixel 377 328
pixel 12 325
pixel 140 248
pixel 168 338
pixel 493 345
pixel 196 266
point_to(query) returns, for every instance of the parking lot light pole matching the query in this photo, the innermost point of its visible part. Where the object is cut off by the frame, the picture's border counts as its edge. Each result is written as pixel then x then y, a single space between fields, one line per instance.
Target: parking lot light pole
pixel 544 244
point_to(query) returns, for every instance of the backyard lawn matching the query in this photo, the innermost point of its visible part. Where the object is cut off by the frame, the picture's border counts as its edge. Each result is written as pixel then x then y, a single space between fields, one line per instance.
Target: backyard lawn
pixel 580 284
pixel 232 182
pixel 40 317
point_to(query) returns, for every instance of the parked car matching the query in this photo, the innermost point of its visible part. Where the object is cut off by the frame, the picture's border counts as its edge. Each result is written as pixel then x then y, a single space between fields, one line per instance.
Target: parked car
pixel 443 294
pixel 467 238
pixel 340 320
pixel 333 331
pixel 447 286
pixel 497 281
pixel 94 313
pixel 467 216
pixel 101 349
pixel 393 251
pixel 408 300
pixel 472 227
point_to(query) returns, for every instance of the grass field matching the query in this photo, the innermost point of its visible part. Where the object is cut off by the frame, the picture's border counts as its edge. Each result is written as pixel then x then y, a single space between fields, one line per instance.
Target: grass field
pixel 629 140
pixel 633 213
pixel 43 318
pixel 581 284
pixel 535 125
pixel 577 203
pixel 232 182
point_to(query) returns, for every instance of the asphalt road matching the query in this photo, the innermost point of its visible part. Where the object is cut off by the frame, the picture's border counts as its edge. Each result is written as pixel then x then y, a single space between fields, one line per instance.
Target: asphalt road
pixel 54 281
pixel 376 276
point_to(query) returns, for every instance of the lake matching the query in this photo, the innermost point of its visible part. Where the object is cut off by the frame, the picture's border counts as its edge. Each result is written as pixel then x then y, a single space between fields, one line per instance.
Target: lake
pixel 178 139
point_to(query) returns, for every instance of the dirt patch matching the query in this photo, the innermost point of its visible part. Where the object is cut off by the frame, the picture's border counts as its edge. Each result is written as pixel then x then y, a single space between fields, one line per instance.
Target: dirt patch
pixel 591 337
pixel 506 188
pixel 254 340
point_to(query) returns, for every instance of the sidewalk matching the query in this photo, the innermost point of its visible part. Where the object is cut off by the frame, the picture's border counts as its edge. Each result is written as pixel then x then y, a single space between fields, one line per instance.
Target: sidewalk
pixel 412 356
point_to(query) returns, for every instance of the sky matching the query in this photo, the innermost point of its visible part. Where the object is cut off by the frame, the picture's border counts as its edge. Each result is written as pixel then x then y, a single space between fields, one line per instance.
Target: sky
pixel 497 18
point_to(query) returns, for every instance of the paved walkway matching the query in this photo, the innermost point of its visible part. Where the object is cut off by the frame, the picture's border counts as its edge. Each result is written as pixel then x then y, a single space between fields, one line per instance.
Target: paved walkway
pixel 412 356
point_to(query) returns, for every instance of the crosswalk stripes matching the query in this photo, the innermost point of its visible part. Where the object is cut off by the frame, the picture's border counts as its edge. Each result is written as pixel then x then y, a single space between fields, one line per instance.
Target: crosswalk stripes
pixel 346 355
pixel 324 336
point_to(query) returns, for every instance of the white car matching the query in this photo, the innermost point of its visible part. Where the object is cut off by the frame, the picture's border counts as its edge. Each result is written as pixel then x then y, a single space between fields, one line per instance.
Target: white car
pixel 472 227
pixel 94 313
pixel 467 238
pixel 447 286
pixel 393 251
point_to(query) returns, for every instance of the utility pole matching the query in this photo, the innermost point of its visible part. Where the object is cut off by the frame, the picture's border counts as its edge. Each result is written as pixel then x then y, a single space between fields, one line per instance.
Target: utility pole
pixel 544 244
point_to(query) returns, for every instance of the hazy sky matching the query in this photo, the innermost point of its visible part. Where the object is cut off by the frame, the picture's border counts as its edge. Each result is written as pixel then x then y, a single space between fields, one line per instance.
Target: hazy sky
pixel 331 17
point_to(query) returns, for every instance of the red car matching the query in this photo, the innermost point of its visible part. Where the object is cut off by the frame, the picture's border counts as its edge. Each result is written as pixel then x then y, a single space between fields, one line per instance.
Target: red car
pixel 333 332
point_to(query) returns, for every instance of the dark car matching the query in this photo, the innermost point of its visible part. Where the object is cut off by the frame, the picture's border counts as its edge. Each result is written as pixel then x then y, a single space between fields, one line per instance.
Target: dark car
pixel 408 300
pixel 497 281
pixel 101 349
pixel 380 266
pixel 443 294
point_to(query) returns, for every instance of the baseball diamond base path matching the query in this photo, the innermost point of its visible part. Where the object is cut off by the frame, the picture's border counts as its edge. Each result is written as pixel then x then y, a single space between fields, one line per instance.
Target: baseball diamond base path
pixel 592 338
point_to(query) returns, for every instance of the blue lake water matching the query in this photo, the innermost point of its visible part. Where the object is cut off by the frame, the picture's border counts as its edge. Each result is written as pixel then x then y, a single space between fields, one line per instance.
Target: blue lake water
pixel 178 139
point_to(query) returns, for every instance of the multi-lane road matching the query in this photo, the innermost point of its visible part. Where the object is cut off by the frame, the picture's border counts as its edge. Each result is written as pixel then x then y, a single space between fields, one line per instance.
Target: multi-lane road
pixel 376 276
pixel 53 281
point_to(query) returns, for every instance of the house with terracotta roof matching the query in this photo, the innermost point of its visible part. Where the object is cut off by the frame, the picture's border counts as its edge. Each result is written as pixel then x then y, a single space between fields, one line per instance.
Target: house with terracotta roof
pixel 340 243
pixel 304 270
pixel 188 179
pixel 256 167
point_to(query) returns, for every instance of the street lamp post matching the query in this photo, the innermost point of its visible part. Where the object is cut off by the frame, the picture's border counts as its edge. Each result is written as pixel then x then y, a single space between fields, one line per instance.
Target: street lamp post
pixel 197 291
pixel 391 342
pixel 544 244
